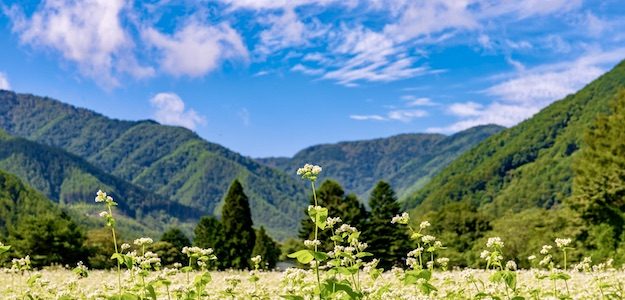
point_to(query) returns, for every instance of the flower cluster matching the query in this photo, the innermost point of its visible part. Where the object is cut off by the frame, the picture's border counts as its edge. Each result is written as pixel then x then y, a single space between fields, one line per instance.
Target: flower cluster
pixel 309 172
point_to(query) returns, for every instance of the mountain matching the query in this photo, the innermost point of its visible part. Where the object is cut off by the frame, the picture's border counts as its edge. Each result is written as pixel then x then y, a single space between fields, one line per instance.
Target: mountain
pixel 69 180
pixel 524 170
pixel 172 162
pixel 407 161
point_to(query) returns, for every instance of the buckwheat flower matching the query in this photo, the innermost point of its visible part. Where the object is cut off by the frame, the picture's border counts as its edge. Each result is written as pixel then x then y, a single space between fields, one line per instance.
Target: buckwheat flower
pixel 404 218
pixel 511 265
pixel 484 254
pixel 311 244
pixel 101 196
pixel 545 250
pixel 332 221
pixel 415 252
pixel 531 257
pixel 443 261
pixel 125 246
pixel 143 241
pixel 545 261
pixel 256 259
pixel 104 214
pixel 562 242
pixel 424 225
pixel 428 239
pixel 412 262
pixel 494 241
pixel 309 172
pixel 430 265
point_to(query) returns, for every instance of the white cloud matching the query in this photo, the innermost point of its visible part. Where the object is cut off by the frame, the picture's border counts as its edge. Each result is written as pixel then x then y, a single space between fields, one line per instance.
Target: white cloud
pixel 4 82
pixel 527 92
pixel 306 70
pixel 412 101
pixel 196 49
pixel 406 115
pixel 403 115
pixel 465 109
pixel 170 110
pixel 367 117
pixel 88 33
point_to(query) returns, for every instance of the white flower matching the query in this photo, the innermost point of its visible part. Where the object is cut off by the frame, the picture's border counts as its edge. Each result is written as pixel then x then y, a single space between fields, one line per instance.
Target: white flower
pixel 256 259
pixel 484 254
pixel 443 261
pixel 143 241
pixel 531 257
pixel 125 246
pixel 428 239
pixel 309 172
pixel 404 218
pixel 545 261
pixel 511 265
pixel 332 221
pixel 545 250
pixel 101 196
pixel 311 244
pixel 103 214
pixel 494 241
pixel 424 225
pixel 562 242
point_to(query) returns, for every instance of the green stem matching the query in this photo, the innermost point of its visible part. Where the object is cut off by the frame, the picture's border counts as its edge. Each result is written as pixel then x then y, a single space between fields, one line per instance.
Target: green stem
pixel 312 184
pixel 119 267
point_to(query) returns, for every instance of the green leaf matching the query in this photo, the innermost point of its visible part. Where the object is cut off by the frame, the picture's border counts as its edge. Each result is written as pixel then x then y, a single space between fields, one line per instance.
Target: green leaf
pixel 119 257
pixel 320 256
pixel 303 256
pixel 363 254
pixel 319 217
pixel 31 281
pixel 4 249
pixel 151 292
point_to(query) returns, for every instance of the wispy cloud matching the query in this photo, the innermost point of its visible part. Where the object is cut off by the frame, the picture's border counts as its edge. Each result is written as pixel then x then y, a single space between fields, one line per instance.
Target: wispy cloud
pixel 412 101
pixel 170 110
pixel 526 92
pixel 244 115
pixel 196 49
pixel 4 82
pixel 306 70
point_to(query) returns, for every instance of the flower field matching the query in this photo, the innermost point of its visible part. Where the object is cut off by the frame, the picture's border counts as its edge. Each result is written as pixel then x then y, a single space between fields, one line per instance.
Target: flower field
pixel 467 284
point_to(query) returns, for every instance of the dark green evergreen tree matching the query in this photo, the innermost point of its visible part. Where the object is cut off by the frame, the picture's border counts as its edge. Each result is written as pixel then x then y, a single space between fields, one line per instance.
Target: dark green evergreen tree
pixel 347 207
pixel 388 242
pixel 240 236
pixel 176 237
pixel 267 248
pixel 209 234
pixel 599 182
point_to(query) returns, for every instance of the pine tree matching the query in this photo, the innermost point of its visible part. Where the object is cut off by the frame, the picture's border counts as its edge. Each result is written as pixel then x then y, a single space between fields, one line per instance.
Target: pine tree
pixel 237 224
pixel 267 248
pixel 599 182
pixel 209 234
pixel 388 242
pixel 332 196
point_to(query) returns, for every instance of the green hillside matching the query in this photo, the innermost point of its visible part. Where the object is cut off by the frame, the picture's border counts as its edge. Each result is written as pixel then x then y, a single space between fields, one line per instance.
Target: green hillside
pixel 407 161
pixel 172 162
pixel 528 166
pixel 68 179
pixel 34 226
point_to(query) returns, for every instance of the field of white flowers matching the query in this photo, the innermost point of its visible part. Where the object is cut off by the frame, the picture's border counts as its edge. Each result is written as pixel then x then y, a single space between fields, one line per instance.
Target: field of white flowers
pixel 346 272
pixel 601 283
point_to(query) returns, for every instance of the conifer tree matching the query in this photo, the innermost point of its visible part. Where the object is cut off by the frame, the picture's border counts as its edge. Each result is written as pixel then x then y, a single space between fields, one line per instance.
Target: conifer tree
pixel 347 207
pixel 388 242
pixel 236 219
pixel 267 248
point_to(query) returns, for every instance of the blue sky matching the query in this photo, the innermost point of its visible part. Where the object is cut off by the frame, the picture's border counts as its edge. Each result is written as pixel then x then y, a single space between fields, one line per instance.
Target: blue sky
pixel 268 78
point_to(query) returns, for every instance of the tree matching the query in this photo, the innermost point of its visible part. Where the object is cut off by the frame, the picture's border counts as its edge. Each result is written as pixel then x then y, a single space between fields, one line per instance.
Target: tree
pixel 209 234
pixel 176 237
pixel 236 219
pixel 332 196
pixel 388 242
pixel 599 182
pixel 49 238
pixel 267 248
